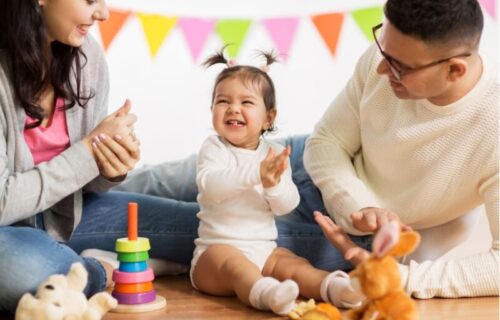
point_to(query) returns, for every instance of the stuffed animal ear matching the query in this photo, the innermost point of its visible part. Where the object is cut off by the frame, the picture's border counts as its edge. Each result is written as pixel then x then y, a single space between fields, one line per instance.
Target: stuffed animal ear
pixel 408 241
pixel 385 239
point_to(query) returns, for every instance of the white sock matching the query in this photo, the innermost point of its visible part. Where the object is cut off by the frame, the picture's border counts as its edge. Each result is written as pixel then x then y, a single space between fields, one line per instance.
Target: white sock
pixel 160 267
pixel 268 293
pixel 336 288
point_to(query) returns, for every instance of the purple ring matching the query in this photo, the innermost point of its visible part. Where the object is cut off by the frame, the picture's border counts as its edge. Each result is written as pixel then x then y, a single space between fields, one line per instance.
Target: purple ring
pixel 135 298
pixel 133 277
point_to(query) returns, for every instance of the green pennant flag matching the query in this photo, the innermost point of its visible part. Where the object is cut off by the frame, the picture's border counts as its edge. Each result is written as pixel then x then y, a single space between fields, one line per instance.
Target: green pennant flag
pixel 232 33
pixel 367 18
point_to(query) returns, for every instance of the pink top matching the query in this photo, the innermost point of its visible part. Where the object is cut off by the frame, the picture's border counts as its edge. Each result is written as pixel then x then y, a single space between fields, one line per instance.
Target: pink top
pixel 47 142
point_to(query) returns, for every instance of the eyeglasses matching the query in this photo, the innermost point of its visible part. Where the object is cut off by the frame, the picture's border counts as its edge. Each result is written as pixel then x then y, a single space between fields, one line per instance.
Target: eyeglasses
pixel 397 68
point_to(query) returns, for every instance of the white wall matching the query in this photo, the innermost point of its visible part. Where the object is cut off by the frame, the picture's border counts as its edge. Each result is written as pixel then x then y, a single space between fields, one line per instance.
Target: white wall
pixel 171 93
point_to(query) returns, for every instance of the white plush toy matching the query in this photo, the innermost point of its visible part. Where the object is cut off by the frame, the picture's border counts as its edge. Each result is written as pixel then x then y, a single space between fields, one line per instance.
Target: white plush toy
pixel 61 298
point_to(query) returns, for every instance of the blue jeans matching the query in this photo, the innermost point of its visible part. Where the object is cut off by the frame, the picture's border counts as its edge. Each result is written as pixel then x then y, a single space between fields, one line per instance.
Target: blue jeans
pixel 166 195
pixel 297 230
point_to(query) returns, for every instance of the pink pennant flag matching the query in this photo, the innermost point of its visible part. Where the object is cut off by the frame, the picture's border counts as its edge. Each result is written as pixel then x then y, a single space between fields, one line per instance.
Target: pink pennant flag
pixel 196 32
pixel 282 31
pixel 490 7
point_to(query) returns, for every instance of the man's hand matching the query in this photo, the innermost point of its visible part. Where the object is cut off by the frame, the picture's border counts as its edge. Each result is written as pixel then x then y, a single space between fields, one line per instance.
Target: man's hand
pixel 371 219
pixel 340 239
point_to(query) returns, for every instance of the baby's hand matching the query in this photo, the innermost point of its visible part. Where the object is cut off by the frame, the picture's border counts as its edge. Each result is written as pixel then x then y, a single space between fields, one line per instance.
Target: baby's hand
pixel 273 166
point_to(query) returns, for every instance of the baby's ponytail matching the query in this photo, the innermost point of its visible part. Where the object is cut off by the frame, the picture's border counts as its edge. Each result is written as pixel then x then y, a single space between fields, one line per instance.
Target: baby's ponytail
pixel 216 58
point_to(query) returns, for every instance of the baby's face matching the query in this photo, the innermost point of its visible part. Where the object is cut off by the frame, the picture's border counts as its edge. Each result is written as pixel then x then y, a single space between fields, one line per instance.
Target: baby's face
pixel 239 114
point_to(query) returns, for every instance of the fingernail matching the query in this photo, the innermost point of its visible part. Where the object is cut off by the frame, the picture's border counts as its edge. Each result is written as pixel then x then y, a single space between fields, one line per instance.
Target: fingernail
pixel 102 136
pixel 96 139
pixel 118 137
pixel 94 145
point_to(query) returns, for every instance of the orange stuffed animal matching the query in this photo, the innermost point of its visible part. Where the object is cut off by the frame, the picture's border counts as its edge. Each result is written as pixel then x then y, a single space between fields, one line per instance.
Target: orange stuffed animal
pixel 380 280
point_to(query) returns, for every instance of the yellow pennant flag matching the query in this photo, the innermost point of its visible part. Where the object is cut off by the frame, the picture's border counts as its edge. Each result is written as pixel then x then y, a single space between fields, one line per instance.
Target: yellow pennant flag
pixel 156 28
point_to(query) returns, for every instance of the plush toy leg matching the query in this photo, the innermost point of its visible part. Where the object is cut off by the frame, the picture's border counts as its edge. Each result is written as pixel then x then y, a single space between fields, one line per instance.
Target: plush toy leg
pixel 99 304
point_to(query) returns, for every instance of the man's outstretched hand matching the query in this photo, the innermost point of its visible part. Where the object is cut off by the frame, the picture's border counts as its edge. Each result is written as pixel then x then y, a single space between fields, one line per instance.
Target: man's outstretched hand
pixel 340 239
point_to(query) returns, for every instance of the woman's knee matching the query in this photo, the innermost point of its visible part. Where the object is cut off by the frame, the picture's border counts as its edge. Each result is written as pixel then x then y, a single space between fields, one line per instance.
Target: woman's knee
pixel 25 262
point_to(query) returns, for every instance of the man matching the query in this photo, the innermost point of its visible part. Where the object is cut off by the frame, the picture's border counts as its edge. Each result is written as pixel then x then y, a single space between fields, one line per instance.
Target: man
pixel 414 136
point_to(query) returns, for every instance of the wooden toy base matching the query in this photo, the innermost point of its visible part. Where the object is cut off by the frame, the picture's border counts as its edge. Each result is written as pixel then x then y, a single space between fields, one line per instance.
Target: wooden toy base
pixel 158 304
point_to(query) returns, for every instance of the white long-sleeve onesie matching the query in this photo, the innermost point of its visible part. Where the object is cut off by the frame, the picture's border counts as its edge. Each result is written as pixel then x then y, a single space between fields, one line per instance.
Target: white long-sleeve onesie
pixel 234 207
pixel 429 164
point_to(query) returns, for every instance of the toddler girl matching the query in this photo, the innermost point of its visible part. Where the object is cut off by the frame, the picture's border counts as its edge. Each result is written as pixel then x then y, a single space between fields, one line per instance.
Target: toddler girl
pixel 244 181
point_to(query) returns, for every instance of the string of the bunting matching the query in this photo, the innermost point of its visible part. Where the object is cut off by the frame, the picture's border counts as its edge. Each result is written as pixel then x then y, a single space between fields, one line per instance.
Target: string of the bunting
pixel 197 31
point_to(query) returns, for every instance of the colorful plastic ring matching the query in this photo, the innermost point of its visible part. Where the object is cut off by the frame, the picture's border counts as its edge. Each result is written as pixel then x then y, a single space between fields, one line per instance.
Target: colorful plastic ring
pixel 135 298
pixel 133 277
pixel 133 256
pixel 133 287
pixel 133 266
pixel 126 245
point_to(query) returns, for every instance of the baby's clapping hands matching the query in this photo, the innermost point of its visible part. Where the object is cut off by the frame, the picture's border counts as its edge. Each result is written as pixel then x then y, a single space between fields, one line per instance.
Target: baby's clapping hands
pixel 273 166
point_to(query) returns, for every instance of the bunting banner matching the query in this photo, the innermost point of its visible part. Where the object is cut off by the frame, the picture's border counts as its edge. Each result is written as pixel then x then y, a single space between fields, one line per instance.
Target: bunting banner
pixel 233 32
pixel 367 18
pixel 490 7
pixel 110 27
pixel 329 26
pixel 156 28
pixel 282 32
pixel 196 32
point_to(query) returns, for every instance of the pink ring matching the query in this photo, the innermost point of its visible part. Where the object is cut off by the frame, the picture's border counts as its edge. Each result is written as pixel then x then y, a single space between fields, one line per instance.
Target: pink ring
pixel 135 298
pixel 133 277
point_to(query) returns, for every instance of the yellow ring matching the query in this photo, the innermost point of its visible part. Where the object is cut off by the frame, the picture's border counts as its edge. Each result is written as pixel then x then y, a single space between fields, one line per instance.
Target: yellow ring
pixel 126 245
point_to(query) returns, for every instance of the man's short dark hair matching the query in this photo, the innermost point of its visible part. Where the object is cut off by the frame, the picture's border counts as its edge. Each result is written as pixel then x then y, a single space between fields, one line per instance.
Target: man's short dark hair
pixel 437 21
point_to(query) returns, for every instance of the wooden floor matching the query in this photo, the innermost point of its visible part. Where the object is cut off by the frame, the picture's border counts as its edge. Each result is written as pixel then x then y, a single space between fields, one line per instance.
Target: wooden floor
pixel 185 303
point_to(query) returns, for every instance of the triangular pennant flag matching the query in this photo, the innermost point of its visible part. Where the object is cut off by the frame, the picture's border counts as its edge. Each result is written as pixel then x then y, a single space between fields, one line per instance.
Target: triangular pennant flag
pixel 196 32
pixel 156 28
pixel 233 33
pixel 282 31
pixel 110 27
pixel 367 18
pixel 490 7
pixel 329 26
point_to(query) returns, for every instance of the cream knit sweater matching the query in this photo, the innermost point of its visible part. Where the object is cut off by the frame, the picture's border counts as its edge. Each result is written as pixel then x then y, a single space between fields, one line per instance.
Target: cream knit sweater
pixel 429 164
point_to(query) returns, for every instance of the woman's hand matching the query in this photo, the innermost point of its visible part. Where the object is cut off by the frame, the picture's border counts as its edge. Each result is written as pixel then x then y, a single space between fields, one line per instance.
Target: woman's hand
pixel 118 123
pixel 115 157
pixel 113 143
pixel 273 166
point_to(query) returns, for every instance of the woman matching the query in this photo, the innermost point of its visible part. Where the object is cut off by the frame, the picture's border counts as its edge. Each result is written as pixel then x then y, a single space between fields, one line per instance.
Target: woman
pixel 59 153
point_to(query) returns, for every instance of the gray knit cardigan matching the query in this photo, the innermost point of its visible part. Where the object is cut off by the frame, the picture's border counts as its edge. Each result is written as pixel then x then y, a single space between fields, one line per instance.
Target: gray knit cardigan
pixel 54 187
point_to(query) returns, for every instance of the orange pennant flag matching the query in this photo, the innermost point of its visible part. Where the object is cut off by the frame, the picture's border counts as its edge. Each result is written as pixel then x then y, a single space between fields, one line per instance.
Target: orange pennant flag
pixel 111 26
pixel 329 26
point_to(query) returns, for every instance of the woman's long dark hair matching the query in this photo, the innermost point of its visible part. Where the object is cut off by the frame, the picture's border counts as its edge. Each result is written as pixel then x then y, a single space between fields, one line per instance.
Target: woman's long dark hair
pixel 37 64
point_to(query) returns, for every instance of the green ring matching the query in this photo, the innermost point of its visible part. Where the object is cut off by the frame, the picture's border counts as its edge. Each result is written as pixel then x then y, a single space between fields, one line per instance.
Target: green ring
pixel 133 256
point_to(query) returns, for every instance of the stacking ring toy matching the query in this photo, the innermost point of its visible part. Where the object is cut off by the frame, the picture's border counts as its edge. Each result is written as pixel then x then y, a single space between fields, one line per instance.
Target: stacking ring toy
pixel 133 256
pixel 133 287
pixel 135 298
pixel 133 266
pixel 133 277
